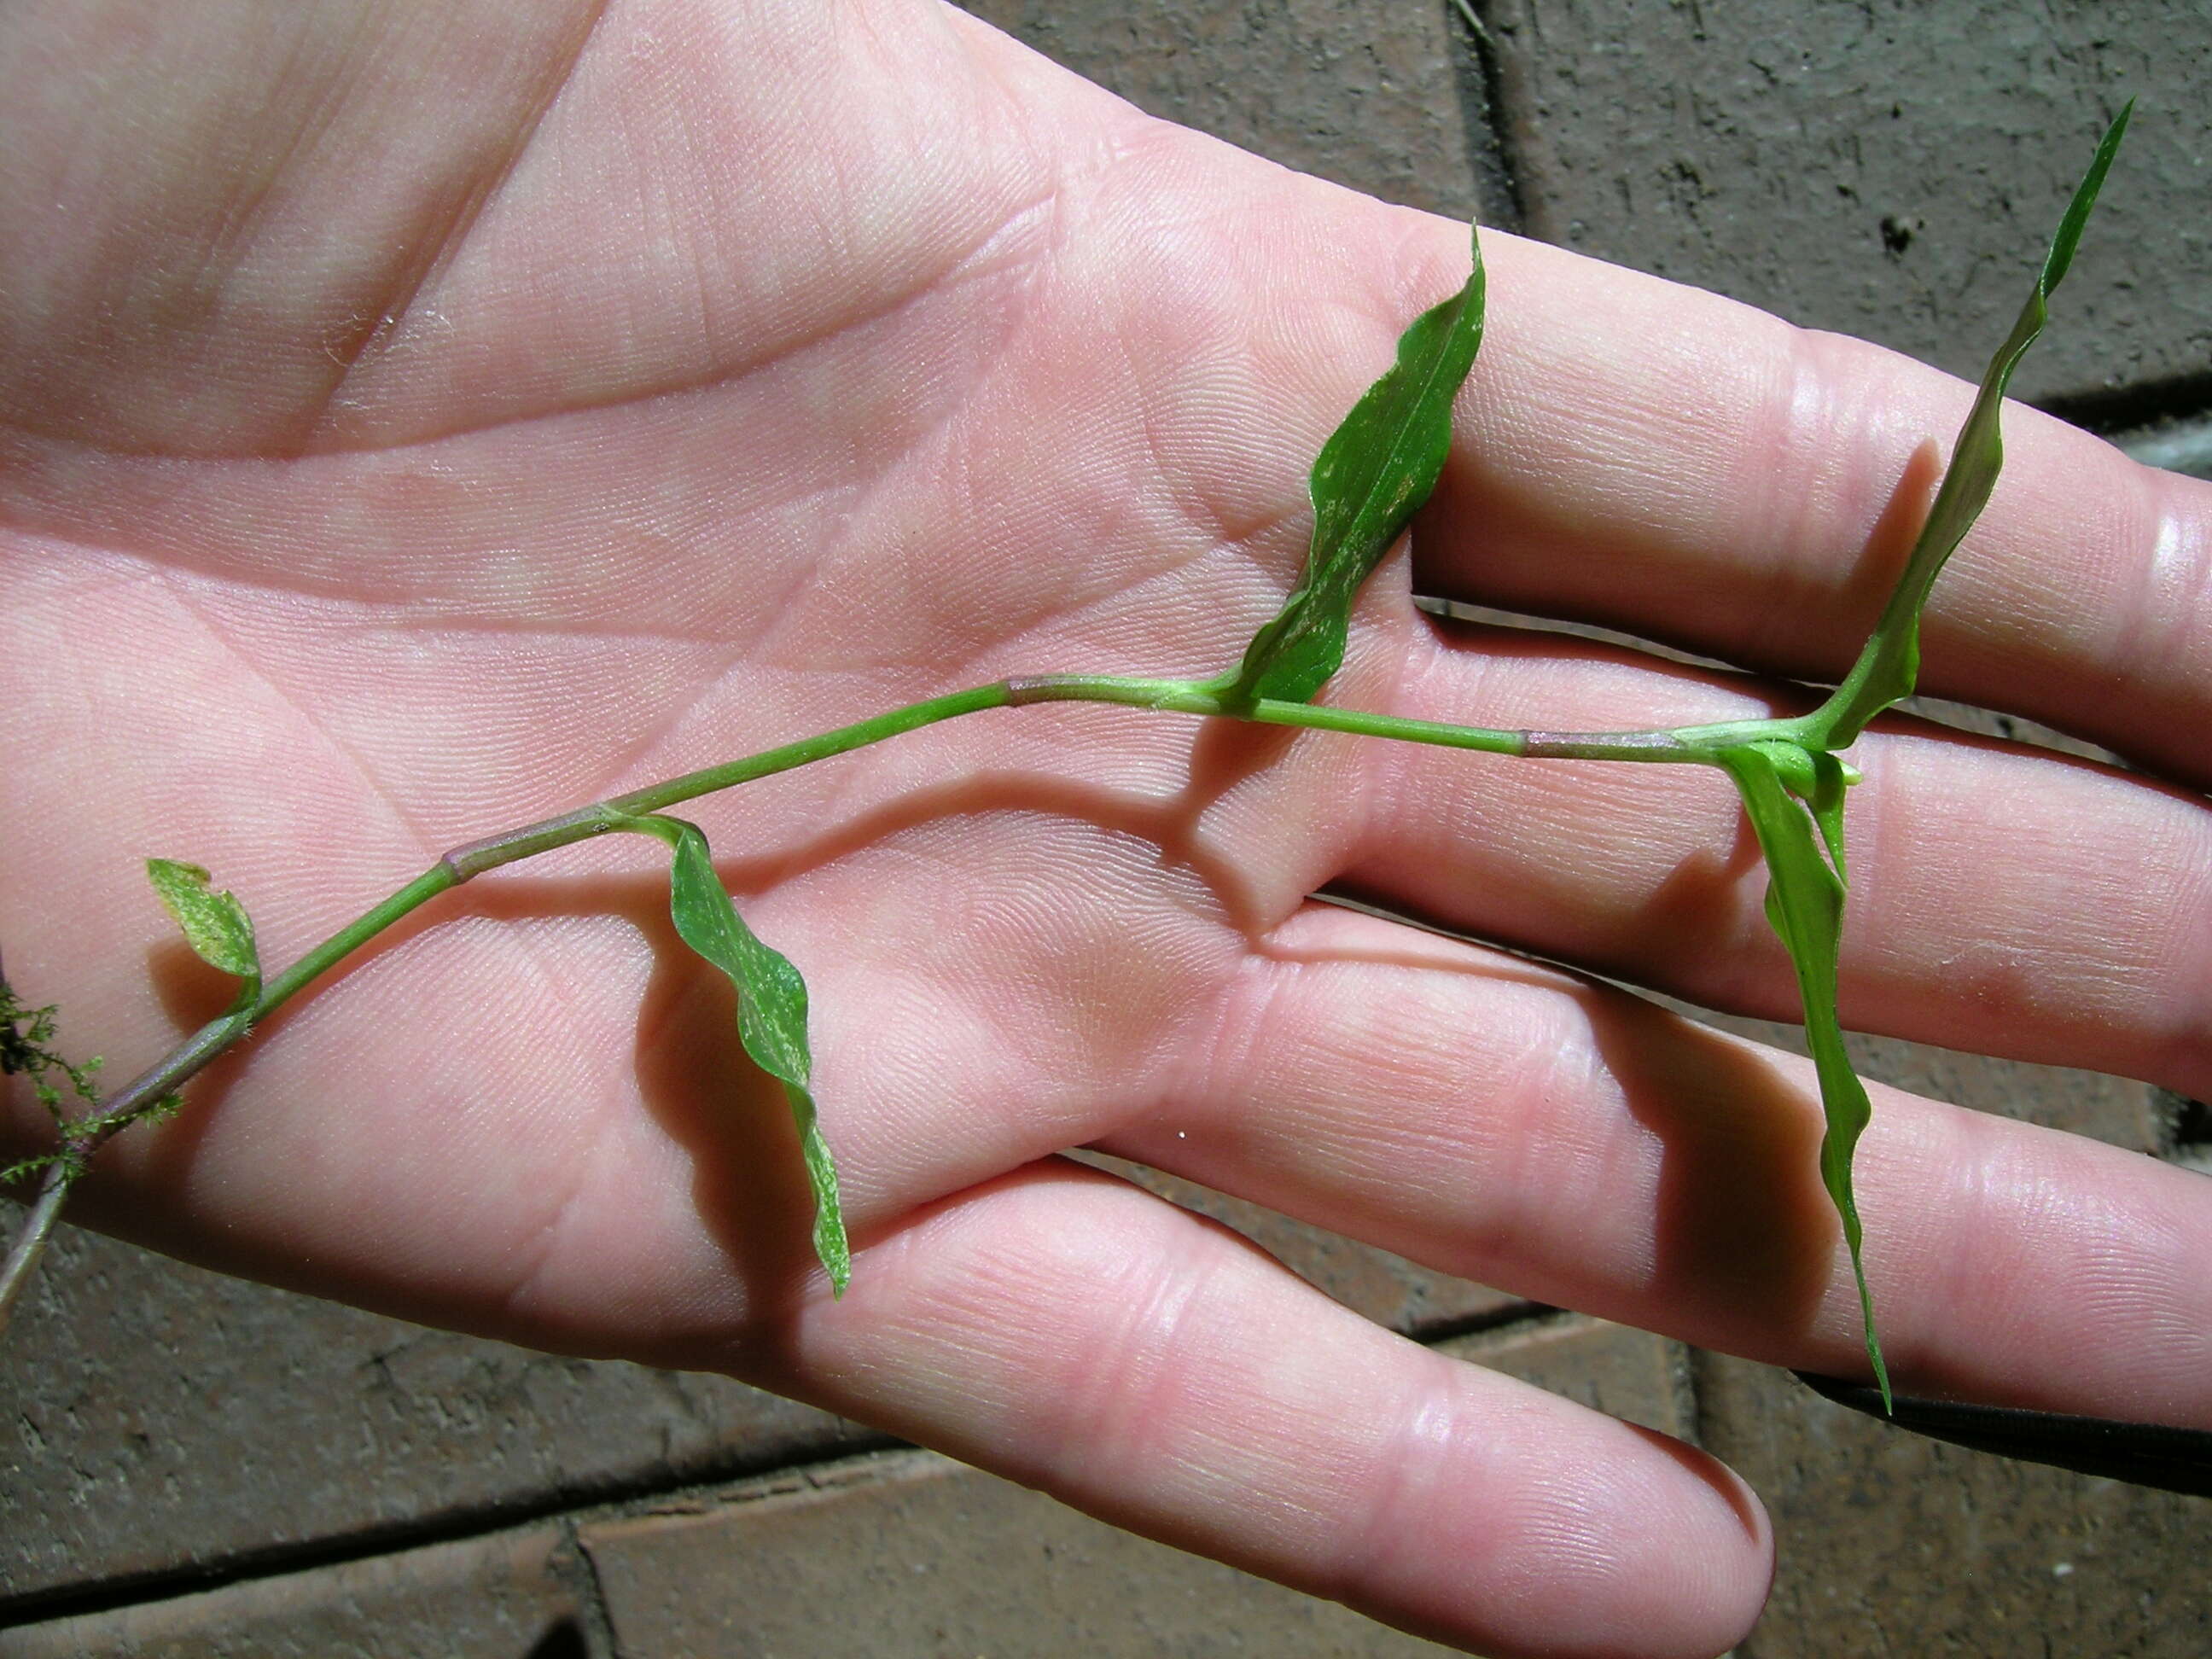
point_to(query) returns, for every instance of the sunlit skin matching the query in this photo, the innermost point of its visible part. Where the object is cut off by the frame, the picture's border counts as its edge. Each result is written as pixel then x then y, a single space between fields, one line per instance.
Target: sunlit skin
pixel 419 420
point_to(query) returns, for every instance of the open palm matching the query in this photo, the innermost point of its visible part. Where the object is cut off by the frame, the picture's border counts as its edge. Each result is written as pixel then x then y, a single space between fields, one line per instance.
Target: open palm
pixel 419 420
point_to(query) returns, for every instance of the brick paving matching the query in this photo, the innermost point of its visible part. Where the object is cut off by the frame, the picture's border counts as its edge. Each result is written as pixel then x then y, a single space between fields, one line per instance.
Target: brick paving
pixel 201 1467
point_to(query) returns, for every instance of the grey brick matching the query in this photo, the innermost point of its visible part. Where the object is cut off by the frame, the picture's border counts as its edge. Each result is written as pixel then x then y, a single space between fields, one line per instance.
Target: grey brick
pixel 500 1597
pixel 1893 1544
pixel 1888 169
pixel 162 1418
pixel 1385 98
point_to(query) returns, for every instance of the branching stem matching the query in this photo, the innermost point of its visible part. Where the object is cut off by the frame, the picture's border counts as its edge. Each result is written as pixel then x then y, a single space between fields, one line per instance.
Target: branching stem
pixel 472 859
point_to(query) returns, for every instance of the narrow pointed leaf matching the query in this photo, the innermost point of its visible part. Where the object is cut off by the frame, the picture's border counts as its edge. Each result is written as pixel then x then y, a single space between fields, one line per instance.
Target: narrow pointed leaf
pixel 1890 664
pixel 1805 904
pixel 1371 476
pixel 214 924
pixel 771 1014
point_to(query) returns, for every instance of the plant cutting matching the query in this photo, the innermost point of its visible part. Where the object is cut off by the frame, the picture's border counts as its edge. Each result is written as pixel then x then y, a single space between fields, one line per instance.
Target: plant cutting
pixel 1375 473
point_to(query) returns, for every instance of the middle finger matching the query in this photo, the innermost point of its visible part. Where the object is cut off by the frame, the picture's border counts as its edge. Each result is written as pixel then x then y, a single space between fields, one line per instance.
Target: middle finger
pixel 2004 899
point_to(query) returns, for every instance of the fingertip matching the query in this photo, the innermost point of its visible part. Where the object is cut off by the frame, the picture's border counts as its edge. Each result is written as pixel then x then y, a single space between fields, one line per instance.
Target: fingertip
pixel 1595 1538
pixel 1720 1555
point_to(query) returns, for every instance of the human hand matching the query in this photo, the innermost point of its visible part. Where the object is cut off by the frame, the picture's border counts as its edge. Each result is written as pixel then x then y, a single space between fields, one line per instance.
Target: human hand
pixel 503 418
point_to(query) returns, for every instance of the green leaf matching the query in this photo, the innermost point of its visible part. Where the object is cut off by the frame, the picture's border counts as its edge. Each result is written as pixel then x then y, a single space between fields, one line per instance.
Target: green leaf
pixel 1371 476
pixel 1805 904
pixel 214 924
pixel 771 1014
pixel 1890 664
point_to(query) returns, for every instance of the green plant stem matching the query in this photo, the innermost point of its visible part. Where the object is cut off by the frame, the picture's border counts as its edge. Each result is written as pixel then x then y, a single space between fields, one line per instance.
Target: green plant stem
pixel 472 859
pixel 843 740
pixel 1206 698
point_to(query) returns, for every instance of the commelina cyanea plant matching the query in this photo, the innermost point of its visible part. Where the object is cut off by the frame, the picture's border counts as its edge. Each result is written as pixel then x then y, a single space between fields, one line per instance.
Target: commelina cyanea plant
pixel 1373 475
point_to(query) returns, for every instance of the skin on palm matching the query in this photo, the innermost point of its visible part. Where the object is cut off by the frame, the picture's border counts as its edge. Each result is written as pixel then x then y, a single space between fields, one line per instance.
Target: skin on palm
pixel 436 462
